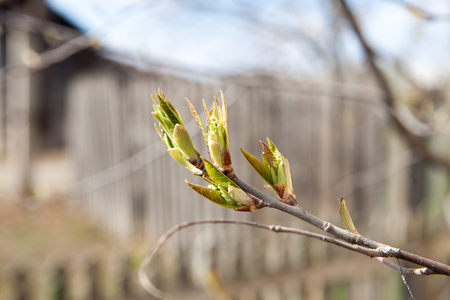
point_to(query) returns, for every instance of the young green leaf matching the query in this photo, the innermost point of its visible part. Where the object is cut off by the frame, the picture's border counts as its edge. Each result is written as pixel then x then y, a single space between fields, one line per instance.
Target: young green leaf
pixel 287 173
pixel 281 176
pixel 164 136
pixel 345 216
pixel 212 195
pixel 279 157
pixel 270 157
pixel 259 167
pixel 215 149
pixel 224 112
pixel 183 140
pixel 197 118
pixel 168 108
pixel 216 175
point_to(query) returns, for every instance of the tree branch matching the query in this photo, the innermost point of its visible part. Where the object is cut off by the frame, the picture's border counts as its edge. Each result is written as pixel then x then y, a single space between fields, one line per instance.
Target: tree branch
pixel 72 43
pixel 405 271
pixel 347 236
pixel 148 285
pixel 389 97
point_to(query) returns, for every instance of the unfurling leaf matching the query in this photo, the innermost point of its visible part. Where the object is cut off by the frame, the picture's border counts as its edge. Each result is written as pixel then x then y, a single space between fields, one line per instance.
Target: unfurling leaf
pixel 212 195
pixel 268 154
pixel 215 149
pixel 275 151
pixel 216 175
pixel 284 166
pixel 259 166
pixel 345 216
pixel 183 140
pixel 168 108
pixel 223 112
pixel 197 119
pixel 216 135
pixel 175 136
pixel 274 169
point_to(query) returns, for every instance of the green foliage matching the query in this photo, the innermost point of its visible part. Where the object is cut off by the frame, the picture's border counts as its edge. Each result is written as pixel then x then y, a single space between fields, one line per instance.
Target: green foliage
pixel 274 168
pixel 221 190
pixel 345 216
pixel 259 166
pixel 215 195
pixel 172 132
pixel 216 175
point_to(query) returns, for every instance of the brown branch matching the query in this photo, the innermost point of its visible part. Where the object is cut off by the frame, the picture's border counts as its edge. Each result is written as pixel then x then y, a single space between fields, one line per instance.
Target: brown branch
pixel 389 97
pixel 148 285
pixel 347 236
pixel 405 271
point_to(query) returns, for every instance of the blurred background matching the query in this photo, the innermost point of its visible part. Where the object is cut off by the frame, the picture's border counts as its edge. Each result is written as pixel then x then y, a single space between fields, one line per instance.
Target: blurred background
pixel 86 186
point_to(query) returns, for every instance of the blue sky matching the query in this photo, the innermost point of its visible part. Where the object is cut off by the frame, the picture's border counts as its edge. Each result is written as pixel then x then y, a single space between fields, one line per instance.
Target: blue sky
pixel 221 37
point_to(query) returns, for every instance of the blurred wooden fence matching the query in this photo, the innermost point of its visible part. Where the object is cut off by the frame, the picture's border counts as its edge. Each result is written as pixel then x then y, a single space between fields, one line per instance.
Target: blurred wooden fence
pixel 104 276
pixel 268 275
pixel 329 132
pixel 336 137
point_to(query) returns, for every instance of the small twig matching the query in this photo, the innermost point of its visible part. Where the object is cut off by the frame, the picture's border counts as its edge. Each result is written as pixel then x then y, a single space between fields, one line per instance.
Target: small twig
pixel 148 285
pixel 47 58
pixel 404 279
pixel 405 271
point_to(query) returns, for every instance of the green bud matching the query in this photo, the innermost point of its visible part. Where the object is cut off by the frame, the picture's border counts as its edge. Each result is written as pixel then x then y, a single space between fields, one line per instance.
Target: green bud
pixel 281 178
pixel 239 196
pixel 167 116
pixel 166 106
pixel 274 169
pixel 164 121
pixel 274 176
pixel 164 136
pixel 215 149
pixel 287 173
pixel 345 216
pixel 224 192
pixel 183 140
pixel 216 134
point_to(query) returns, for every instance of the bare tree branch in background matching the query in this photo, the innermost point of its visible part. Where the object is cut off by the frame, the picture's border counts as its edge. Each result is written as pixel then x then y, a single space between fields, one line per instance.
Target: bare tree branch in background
pixel 389 97
pixel 380 253
pixel 72 42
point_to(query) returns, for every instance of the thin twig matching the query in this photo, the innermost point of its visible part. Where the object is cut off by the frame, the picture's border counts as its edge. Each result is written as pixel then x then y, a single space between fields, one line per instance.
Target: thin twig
pixel 47 58
pixel 148 285
pixel 405 271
